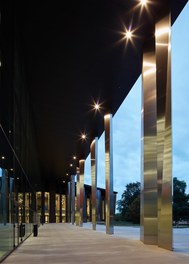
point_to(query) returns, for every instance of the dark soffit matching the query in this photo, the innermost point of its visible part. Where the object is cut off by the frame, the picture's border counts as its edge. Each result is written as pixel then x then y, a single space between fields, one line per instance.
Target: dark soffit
pixel 73 57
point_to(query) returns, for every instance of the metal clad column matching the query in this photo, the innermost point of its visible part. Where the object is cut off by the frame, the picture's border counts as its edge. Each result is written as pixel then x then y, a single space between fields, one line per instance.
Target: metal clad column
pixel 78 198
pixel 72 199
pixel 81 169
pixel 69 203
pixel 164 131
pixel 94 156
pixel 148 230
pixel 109 174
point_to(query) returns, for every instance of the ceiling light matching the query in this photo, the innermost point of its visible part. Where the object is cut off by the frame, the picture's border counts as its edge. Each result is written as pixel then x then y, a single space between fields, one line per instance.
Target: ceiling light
pixel 128 34
pixel 74 157
pixel 83 136
pixel 143 2
pixel 96 106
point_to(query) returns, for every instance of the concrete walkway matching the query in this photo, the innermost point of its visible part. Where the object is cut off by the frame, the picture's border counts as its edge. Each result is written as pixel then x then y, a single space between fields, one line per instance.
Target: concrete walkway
pixel 64 243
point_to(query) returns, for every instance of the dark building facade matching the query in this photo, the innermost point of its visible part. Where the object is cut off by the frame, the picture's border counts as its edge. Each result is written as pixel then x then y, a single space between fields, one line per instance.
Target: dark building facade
pixel 31 192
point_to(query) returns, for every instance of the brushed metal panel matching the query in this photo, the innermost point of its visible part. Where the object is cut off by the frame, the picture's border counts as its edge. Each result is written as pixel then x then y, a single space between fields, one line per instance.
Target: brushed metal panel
pixel 94 156
pixel 72 199
pixel 149 231
pixel 69 202
pixel 164 131
pixel 109 174
pixel 78 198
pixel 81 180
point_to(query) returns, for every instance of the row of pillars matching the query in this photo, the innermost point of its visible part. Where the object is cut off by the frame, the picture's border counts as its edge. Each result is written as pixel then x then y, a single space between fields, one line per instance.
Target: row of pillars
pixel 109 194
pixel 156 171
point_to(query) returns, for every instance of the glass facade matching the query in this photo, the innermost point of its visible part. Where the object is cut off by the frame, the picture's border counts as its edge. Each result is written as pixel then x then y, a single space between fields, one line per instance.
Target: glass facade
pixel 63 208
pixel 57 207
pixel 15 212
pixel 19 168
pixel 47 208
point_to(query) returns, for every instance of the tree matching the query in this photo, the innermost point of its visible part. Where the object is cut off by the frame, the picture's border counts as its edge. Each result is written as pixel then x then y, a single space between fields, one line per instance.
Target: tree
pixel 129 205
pixel 180 200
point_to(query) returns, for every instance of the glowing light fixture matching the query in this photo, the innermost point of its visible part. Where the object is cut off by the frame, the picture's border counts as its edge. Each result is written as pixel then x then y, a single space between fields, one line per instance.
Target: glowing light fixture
pixel 143 2
pixel 71 165
pixel 3 157
pixel 96 106
pixel 67 174
pixel 144 6
pixel 74 157
pixel 128 34
pixel 83 136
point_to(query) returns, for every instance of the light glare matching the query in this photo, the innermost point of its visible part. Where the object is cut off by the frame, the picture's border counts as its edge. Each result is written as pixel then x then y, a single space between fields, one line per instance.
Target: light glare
pixel 128 34
pixel 83 136
pixel 97 106
pixel 143 2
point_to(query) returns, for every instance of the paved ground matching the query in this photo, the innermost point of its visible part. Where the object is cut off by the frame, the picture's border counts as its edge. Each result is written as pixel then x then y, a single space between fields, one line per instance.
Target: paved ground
pixel 64 243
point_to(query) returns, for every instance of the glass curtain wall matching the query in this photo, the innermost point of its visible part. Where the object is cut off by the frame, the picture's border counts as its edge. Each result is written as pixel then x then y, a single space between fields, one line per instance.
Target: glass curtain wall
pixel 19 169
pixel 63 208
pixel 47 202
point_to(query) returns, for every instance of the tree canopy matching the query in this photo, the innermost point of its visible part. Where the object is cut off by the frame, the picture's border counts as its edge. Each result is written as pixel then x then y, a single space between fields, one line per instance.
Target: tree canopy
pixel 180 200
pixel 129 205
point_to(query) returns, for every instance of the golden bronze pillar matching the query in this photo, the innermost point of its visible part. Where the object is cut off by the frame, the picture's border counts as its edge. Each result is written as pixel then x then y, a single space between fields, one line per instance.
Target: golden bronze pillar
pixel 149 231
pixel 72 199
pixel 78 198
pixel 81 180
pixel 156 191
pixel 69 202
pixel 164 131
pixel 109 174
pixel 94 156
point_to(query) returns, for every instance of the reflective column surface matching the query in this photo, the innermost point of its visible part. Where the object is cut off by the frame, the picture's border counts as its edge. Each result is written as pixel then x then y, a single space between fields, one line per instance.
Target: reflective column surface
pixel 149 147
pixel 78 199
pixel 109 174
pixel 94 156
pixel 164 131
pixel 73 199
pixel 69 203
pixel 99 205
pixel 81 169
